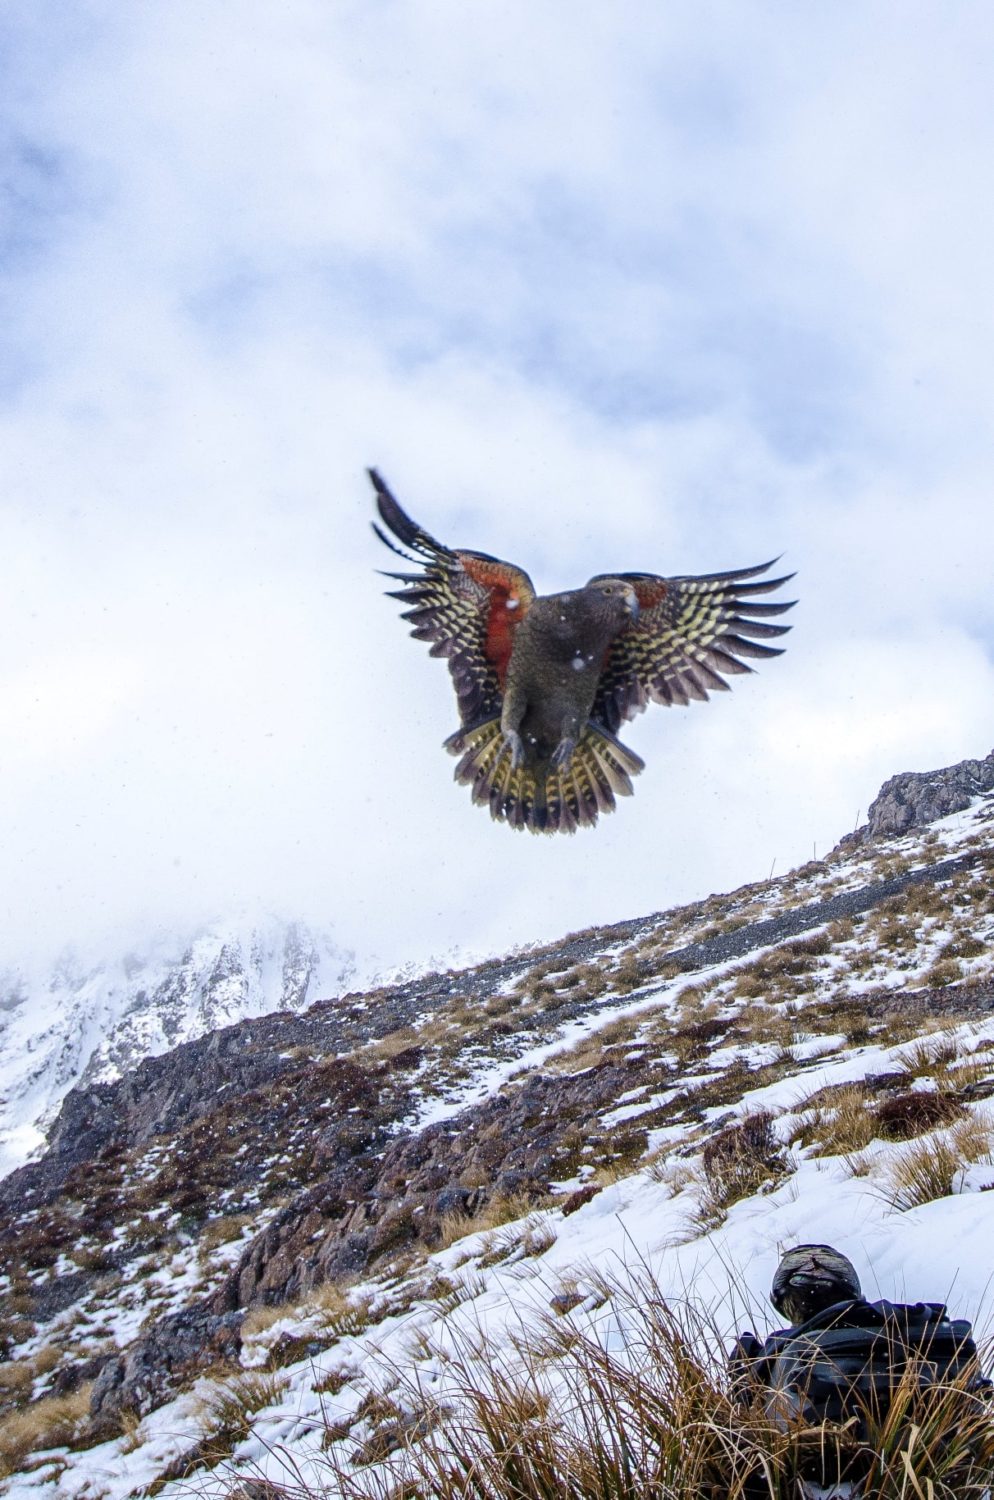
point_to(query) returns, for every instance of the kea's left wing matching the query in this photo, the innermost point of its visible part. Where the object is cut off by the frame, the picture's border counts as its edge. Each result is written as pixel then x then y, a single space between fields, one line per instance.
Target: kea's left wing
pixel 689 632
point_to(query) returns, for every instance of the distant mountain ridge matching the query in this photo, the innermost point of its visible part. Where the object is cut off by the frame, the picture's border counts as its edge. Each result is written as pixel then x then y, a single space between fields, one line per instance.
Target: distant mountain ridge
pixel 88 1024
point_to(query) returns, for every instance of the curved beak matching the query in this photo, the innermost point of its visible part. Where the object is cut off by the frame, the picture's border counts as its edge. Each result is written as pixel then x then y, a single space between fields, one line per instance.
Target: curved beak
pixel 632 602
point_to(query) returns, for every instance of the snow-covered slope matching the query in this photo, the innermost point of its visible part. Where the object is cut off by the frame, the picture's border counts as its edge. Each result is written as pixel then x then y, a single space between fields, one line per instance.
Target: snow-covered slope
pixel 418 1182
pixel 91 1024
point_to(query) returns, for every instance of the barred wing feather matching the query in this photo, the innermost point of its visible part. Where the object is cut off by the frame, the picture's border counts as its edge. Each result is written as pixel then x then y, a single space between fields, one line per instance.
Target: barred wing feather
pixel 690 633
pixel 467 605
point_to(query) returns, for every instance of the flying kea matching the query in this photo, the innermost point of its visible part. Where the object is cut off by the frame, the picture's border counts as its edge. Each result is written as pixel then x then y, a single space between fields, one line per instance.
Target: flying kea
pixel 543 683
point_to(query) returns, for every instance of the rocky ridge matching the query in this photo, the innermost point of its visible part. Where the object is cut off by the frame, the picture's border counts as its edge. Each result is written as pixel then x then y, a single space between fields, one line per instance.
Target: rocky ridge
pixel 913 799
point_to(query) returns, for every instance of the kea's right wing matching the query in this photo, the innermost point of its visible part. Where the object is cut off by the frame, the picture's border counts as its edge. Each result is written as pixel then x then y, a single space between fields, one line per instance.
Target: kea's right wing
pixel 689 632
pixel 467 604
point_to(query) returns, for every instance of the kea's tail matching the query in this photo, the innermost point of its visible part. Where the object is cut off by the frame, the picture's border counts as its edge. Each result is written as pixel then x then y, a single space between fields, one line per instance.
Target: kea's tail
pixel 551 799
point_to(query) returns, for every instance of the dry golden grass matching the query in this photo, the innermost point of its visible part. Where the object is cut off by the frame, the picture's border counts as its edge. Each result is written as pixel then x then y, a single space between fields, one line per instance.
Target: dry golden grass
pixel 963 945
pixel 332 1306
pixel 16 1378
pixel 967 1072
pixel 225 1410
pixel 921 1174
pixel 338 1310
pixel 50 1423
pixel 840 1123
pixel 393 1043
pixel 470 1285
pixel 673 1174
pixel 46 1359
pixel 929 1056
pixel 570 1420
pixel 259 1318
pixel 592 1049
pixel 740 1160
pixel 943 972
pixel 538 1235
pixel 931 1167
pixel 628 974
pixel 220 1231
pixel 502 1208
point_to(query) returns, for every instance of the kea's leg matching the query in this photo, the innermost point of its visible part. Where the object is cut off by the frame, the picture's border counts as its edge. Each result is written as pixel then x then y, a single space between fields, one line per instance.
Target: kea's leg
pixel 511 715
pixel 570 734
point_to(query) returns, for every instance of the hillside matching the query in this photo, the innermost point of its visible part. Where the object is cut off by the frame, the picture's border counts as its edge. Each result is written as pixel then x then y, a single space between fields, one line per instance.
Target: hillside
pixel 308 1216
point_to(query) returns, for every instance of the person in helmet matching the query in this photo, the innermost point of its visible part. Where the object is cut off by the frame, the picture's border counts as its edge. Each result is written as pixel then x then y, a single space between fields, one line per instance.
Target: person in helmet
pixel 841 1358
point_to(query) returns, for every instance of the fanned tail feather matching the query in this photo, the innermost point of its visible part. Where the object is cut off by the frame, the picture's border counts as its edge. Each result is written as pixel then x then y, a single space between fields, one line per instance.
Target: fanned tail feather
pixel 555 799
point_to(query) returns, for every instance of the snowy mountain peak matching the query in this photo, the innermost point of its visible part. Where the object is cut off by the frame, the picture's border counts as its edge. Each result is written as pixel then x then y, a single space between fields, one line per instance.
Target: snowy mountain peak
pixel 88 1024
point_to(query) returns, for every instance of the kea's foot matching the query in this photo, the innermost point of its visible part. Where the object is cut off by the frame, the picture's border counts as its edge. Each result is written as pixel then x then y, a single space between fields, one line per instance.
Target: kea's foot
pixel 563 753
pixel 512 741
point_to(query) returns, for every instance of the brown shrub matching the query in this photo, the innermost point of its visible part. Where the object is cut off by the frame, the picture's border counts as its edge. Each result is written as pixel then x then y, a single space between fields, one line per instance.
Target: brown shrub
pixel 905 1115
pixel 737 1162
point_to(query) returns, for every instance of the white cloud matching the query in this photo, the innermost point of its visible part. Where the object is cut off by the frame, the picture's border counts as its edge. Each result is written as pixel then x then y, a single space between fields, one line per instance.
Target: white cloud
pixel 678 293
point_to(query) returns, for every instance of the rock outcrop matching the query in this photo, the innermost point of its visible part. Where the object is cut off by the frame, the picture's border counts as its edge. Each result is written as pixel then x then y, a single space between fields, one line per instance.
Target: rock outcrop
pixel 914 798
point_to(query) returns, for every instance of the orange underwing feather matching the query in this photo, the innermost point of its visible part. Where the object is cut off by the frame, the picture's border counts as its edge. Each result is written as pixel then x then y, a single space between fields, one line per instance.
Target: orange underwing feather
pixel 508 605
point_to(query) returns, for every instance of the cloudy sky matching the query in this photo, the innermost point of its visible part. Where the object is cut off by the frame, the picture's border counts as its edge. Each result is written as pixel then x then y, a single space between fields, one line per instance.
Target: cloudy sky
pixel 672 288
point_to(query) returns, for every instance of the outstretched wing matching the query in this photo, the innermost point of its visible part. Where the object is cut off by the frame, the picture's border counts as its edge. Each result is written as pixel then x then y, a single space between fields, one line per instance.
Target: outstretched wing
pixel 467 604
pixel 690 631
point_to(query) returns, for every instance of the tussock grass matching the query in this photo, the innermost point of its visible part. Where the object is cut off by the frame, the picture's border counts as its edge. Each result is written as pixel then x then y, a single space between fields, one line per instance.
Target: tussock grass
pixel 53 1422
pixel 840 1123
pixel 930 1056
pixel 967 1073
pixel 573 1419
pixel 455 1293
pixel 926 1172
pixel 338 1311
pixel 943 972
pixel 931 1167
pixel 220 1231
pixel 16 1379
pixel 263 1316
pixel 593 1048
pixel 331 1306
pixel 502 1208
pixel 226 1409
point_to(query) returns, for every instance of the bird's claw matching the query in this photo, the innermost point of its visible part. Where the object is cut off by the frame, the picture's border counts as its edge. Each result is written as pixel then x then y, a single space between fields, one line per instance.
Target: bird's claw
pixel 563 753
pixel 512 741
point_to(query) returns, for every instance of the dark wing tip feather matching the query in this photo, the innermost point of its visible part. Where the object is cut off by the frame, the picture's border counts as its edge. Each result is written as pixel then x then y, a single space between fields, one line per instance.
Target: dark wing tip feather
pixel 397 521
pixel 393 548
pixel 763 585
pixel 762 611
pixel 732 575
pixel 743 647
pixel 757 628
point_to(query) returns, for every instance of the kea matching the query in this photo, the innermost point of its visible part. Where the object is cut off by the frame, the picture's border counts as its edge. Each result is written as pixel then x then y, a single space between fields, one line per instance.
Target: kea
pixel 544 682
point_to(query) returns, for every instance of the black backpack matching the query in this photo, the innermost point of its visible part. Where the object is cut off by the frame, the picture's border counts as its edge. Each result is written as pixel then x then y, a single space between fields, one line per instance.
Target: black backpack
pixel 846 1361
